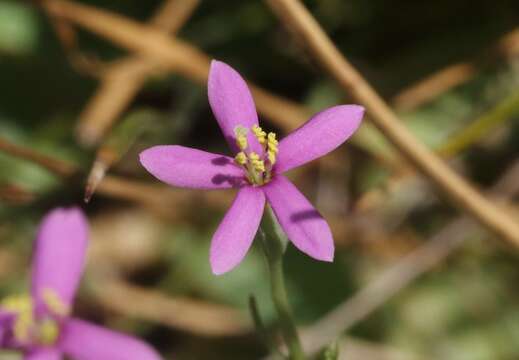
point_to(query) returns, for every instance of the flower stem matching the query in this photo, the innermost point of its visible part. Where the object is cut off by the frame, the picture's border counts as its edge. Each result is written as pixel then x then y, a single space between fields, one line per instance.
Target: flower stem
pixel 274 243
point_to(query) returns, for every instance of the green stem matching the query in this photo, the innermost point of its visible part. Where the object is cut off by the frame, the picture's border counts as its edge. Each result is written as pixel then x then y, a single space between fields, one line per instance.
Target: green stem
pixel 273 244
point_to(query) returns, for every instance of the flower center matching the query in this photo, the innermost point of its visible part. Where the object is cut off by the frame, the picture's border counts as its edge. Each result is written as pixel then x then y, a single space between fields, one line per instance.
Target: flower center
pixel 27 329
pixel 258 170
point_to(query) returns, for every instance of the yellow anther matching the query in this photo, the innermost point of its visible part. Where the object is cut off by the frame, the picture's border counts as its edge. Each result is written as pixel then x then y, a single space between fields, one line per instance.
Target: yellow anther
pixel 54 303
pixel 253 156
pixel 241 141
pixel 259 165
pixel 22 326
pixel 272 147
pixel 241 137
pixel 241 158
pixel 22 306
pixel 48 332
pixel 260 134
pixel 17 303
pixel 272 138
pixel 272 157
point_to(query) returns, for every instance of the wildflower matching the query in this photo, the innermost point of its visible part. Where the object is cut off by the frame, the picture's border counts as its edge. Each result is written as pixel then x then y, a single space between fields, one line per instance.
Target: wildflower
pixel 40 324
pixel 256 171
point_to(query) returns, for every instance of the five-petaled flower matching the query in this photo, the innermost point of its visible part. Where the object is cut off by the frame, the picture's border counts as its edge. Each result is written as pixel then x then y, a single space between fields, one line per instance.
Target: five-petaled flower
pixel 256 170
pixel 39 325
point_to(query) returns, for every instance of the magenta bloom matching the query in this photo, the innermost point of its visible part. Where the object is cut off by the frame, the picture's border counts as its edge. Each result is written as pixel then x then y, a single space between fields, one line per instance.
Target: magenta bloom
pixel 256 170
pixel 40 325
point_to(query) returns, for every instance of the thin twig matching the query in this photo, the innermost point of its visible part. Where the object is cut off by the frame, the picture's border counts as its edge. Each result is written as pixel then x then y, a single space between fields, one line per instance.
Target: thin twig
pixel 482 126
pixel 61 168
pixel 149 195
pixel 173 54
pixel 123 80
pixel 455 75
pixel 195 316
pixel 462 194
pixel 403 272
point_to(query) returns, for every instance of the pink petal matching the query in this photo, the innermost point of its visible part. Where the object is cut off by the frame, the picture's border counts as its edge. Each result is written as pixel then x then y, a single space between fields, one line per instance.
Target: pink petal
pixel 321 134
pixel 44 354
pixel 234 236
pixel 85 341
pixel 232 103
pixel 191 168
pixel 302 223
pixel 59 254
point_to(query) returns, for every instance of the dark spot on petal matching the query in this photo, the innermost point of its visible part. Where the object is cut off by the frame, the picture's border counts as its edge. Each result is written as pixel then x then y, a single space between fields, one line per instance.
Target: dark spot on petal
pixel 305 215
pixel 220 179
pixel 220 161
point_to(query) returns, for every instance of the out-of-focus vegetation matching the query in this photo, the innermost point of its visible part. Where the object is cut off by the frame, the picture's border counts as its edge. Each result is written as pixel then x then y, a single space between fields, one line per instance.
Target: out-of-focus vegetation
pixel 149 273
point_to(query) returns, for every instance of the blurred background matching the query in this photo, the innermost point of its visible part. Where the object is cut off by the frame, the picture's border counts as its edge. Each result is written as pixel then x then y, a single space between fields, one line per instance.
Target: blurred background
pixel 412 278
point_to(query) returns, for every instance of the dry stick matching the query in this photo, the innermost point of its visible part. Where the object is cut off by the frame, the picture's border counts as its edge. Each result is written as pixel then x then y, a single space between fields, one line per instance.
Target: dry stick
pixel 195 316
pixel 464 195
pixel 178 56
pixel 123 80
pixel 172 54
pixel 150 195
pixel 455 74
pixel 61 168
pixel 403 272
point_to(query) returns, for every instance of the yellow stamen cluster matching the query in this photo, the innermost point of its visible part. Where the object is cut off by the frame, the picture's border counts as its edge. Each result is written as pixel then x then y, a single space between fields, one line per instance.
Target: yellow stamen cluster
pixel 54 303
pixel 48 332
pixel 27 328
pixel 241 137
pixel 272 148
pixel 22 305
pixel 260 134
pixel 241 158
pixel 258 169
pixel 257 163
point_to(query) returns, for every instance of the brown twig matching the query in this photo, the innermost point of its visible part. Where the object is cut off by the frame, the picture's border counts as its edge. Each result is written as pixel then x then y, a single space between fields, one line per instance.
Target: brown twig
pixel 404 271
pixel 121 81
pixel 152 196
pixel 61 168
pixel 454 75
pixel 463 195
pixel 178 56
pixel 172 54
pixel 195 316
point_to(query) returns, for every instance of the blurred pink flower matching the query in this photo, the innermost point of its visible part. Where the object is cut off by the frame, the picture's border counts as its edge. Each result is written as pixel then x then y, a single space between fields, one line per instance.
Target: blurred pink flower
pixel 40 325
pixel 256 170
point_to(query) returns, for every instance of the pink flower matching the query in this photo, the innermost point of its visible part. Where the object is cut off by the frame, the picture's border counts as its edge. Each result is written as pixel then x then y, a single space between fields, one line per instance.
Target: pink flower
pixel 256 170
pixel 40 325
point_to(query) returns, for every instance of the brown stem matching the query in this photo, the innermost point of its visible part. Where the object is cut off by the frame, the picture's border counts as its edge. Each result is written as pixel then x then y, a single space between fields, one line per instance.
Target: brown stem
pixel 297 17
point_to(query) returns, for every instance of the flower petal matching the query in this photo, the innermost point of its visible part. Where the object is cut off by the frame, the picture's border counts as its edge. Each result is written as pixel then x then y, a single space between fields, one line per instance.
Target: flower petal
pixel 232 103
pixel 234 236
pixel 321 134
pixel 59 254
pixel 85 341
pixel 302 223
pixel 186 167
pixel 44 354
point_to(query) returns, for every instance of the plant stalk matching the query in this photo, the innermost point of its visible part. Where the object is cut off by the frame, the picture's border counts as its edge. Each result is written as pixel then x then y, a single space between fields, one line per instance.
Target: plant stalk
pixel 274 243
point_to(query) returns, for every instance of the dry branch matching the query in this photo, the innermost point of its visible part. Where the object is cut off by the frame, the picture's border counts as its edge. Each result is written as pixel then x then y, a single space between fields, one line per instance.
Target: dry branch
pixel 456 74
pixel 175 55
pixel 121 81
pixel 404 271
pixel 195 316
pixel 297 17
